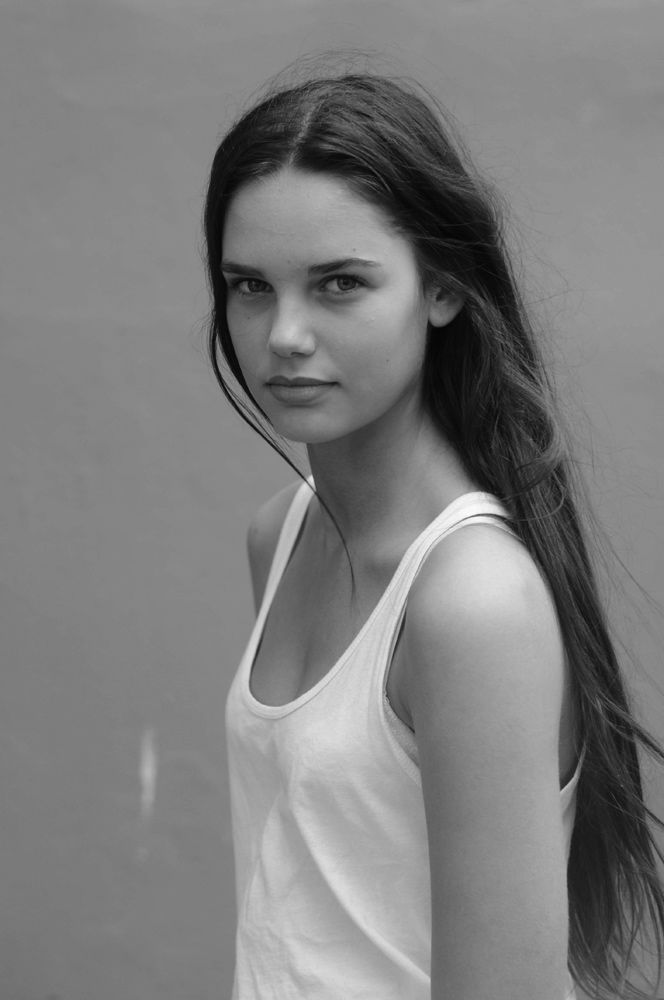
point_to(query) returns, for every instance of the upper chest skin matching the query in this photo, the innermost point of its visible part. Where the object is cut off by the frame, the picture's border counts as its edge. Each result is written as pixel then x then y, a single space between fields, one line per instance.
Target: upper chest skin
pixel 312 621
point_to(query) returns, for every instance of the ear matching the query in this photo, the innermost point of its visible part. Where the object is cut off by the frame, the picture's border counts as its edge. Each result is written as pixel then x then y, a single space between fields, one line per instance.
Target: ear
pixel 443 306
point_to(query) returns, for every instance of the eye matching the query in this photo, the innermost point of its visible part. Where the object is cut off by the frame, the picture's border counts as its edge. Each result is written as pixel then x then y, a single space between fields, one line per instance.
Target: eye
pixel 345 283
pixel 248 286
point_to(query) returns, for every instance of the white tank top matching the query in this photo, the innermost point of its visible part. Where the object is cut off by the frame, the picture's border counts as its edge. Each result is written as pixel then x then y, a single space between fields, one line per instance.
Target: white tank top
pixel 330 840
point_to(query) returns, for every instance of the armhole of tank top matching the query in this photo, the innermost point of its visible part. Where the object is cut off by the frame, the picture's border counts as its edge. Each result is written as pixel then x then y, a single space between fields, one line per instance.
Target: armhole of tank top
pixel 399 733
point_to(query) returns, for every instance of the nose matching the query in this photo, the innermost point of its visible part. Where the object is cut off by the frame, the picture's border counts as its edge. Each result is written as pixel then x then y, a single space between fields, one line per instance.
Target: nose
pixel 290 332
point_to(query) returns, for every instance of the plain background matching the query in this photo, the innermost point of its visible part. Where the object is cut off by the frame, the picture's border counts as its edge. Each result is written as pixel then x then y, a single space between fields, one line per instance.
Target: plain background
pixel 128 483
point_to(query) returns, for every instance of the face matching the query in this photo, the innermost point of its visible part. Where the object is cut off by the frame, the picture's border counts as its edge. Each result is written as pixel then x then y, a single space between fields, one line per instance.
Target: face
pixel 322 290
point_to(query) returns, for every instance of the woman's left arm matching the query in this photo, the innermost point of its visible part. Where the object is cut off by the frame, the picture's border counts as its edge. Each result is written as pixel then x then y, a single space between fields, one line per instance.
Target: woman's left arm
pixel 483 669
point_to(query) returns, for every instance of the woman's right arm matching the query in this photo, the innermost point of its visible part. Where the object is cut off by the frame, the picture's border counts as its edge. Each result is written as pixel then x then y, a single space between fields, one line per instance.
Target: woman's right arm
pixel 263 535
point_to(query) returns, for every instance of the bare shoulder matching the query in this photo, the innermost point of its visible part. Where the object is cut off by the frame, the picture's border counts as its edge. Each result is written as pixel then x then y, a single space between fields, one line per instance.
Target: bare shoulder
pixel 263 535
pixel 483 654
pixel 484 577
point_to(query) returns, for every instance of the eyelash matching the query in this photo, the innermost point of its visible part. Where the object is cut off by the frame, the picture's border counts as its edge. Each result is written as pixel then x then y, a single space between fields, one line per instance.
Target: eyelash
pixel 235 285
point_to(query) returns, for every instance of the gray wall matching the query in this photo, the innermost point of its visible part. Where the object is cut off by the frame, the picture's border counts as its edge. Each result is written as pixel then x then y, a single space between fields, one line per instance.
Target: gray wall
pixel 127 483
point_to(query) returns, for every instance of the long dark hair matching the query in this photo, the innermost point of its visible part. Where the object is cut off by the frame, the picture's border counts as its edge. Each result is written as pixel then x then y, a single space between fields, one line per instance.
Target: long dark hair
pixel 485 385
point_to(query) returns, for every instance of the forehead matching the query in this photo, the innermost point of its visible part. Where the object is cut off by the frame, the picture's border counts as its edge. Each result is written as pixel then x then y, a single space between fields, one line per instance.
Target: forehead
pixel 304 215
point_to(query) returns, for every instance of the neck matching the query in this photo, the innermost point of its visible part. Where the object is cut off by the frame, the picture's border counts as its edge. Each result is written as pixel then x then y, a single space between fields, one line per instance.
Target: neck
pixel 386 483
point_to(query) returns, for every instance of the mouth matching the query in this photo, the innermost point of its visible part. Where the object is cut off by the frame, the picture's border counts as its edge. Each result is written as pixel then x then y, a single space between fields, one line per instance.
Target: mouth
pixel 299 391
pixel 282 380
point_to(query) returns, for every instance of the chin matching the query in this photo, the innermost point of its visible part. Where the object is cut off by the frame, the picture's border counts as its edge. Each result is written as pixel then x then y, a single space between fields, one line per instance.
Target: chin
pixel 298 432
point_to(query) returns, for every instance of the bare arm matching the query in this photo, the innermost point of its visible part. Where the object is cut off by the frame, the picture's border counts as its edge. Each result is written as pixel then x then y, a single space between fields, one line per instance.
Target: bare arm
pixel 484 671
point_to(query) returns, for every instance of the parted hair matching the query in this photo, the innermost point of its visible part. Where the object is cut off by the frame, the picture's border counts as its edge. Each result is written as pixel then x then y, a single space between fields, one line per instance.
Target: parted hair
pixel 486 387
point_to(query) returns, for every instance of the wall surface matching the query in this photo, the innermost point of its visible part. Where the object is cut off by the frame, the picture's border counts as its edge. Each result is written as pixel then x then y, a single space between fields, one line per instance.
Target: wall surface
pixel 127 483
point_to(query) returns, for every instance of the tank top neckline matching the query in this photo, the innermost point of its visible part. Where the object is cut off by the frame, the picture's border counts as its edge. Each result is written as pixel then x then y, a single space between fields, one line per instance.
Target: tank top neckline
pixel 283 551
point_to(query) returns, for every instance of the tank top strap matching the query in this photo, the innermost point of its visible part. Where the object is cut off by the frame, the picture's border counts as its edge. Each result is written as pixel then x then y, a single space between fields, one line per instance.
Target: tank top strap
pixel 288 535
pixel 475 508
pixel 471 508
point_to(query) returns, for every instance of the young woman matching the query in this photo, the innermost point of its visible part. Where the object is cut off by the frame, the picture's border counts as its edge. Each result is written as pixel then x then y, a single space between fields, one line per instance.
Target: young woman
pixel 434 774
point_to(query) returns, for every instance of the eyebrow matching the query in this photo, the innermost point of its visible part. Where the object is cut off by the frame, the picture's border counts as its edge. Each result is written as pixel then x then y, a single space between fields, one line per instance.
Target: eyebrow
pixel 231 267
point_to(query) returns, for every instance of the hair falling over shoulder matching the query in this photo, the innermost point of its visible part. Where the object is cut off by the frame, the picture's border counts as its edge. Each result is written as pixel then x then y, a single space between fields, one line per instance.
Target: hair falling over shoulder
pixel 486 386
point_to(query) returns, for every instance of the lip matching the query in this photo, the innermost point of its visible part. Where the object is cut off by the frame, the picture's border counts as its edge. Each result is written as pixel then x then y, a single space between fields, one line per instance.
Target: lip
pixel 300 380
pixel 299 393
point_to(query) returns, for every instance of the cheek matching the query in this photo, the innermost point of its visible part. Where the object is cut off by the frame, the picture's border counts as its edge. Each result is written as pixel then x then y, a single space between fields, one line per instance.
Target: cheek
pixel 243 338
pixel 395 337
